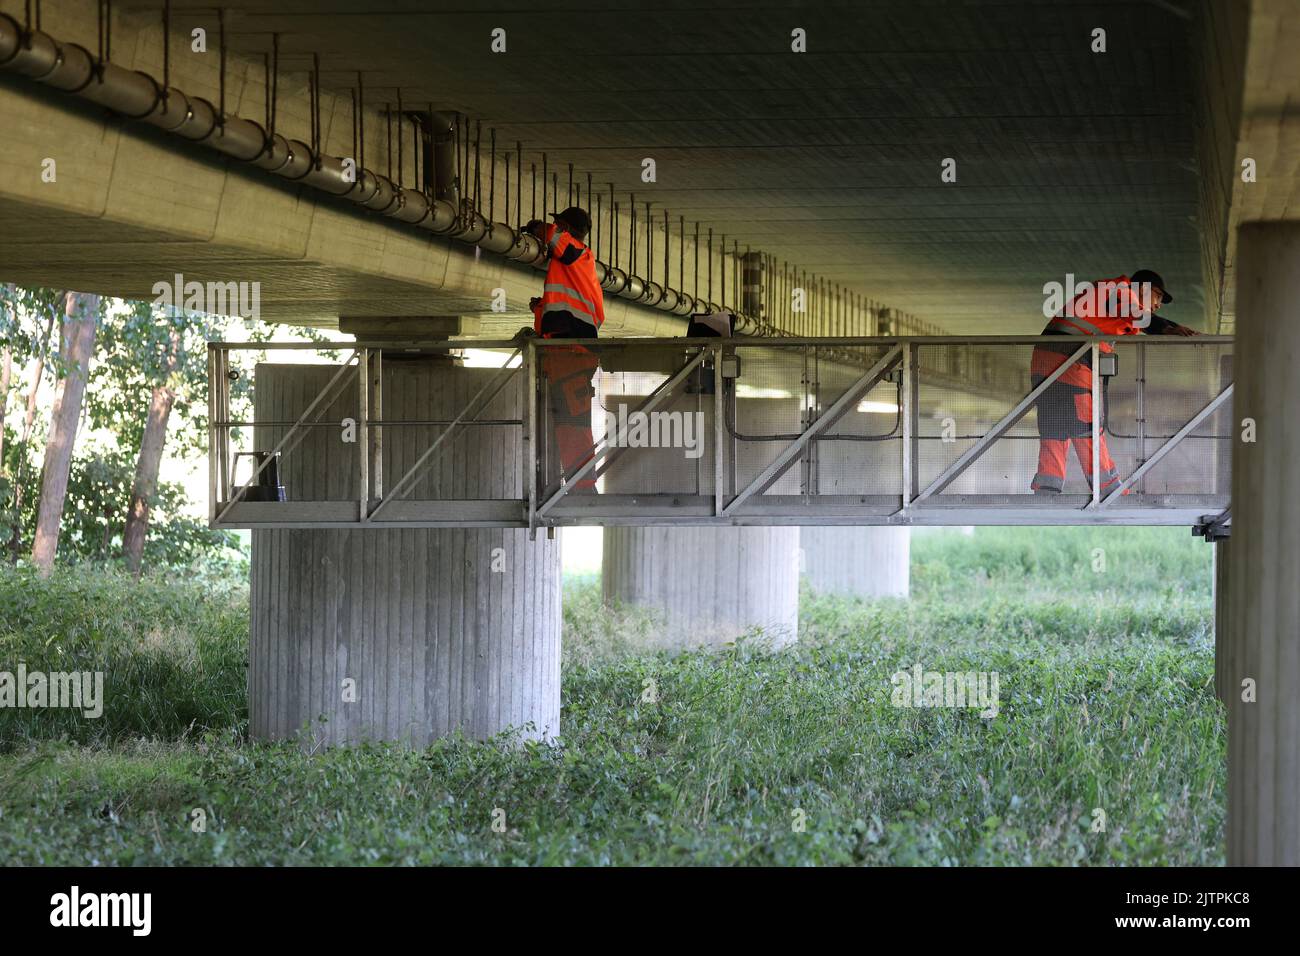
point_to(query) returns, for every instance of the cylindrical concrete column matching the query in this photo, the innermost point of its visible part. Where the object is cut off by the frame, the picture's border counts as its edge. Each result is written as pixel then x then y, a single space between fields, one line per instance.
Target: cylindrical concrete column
pixel 400 634
pixel 1222 646
pixel 1263 597
pixel 708 585
pixel 863 562
pixel 705 585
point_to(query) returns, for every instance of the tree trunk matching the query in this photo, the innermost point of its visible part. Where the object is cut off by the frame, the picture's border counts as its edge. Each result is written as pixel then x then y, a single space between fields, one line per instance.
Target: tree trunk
pixel 150 460
pixel 6 379
pixel 15 539
pixel 77 344
pixel 63 302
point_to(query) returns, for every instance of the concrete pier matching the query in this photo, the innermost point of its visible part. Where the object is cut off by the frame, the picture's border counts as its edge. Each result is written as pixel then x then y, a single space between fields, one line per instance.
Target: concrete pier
pixel 435 629
pixel 708 585
pixel 1263 612
pixel 860 562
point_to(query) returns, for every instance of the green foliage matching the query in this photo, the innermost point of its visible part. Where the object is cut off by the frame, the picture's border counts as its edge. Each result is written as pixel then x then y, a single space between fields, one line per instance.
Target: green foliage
pixel 1105 702
pixel 94 515
pixel 172 648
pixel 139 347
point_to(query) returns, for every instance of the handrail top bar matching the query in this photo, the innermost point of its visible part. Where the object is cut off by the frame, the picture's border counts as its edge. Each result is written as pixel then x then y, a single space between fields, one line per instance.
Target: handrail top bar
pixel 875 341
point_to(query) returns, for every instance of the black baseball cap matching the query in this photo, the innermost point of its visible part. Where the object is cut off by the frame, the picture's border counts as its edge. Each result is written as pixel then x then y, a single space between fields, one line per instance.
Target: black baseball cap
pixel 1146 275
pixel 576 217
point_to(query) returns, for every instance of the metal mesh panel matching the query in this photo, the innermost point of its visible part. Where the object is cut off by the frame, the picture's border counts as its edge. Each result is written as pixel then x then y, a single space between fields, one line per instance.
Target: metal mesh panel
pixel 749 430
pixel 954 414
pixel 1180 381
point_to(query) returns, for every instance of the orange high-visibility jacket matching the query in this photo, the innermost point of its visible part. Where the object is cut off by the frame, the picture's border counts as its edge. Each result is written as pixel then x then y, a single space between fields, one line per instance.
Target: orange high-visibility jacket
pixel 571 284
pixel 1111 307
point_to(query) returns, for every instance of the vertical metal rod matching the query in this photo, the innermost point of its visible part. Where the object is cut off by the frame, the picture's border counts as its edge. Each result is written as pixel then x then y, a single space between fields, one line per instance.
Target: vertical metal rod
pixel 631 234
pixel 696 289
pixel 492 178
pixel 213 466
pixel 519 180
pixel 1141 413
pixel 909 371
pixel 363 435
pixel 532 453
pixel 167 45
pixel 649 246
pixel 681 256
pixel 315 110
pixel 531 450
pixel 223 415
pixel 806 416
pixel 667 276
pixel 388 142
pixel 377 472
pixel 722 274
pixel 506 216
pixel 534 199
pixel 570 202
pixel 221 38
pixel 1096 424
pixel 600 214
pixel 478 156
pixel 614 231
pixel 710 264
pixel 718 431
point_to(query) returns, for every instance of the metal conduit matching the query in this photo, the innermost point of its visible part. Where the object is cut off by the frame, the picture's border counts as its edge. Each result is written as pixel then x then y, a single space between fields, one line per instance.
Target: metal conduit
pixel 137 95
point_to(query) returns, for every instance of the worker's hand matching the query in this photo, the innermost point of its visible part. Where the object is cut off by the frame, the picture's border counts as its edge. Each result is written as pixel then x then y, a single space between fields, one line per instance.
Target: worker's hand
pixel 534 302
pixel 534 228
pixel 525 332
pixel 1181 330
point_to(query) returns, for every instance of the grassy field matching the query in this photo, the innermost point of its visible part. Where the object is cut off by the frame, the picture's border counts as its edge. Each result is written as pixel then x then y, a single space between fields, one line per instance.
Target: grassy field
pixel 1106 713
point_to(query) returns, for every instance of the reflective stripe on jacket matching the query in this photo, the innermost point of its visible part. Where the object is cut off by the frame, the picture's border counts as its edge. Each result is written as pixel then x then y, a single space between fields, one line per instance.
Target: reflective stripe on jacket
pixel 1109 307
pixel 571 284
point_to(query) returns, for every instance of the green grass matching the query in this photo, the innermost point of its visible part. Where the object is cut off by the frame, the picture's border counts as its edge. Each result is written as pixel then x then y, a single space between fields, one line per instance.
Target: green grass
pixel 1105 703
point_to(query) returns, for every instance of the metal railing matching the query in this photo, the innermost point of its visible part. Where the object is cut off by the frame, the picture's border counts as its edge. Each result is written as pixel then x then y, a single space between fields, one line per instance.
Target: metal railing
pixel 722 431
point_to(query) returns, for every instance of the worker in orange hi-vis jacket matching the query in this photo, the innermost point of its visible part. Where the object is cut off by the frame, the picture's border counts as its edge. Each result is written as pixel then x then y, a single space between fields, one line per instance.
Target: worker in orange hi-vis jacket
pixel 571 306
pixel 1124 305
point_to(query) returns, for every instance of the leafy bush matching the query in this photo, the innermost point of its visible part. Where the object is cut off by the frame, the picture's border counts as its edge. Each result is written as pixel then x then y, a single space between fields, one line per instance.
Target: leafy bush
pixel 94 515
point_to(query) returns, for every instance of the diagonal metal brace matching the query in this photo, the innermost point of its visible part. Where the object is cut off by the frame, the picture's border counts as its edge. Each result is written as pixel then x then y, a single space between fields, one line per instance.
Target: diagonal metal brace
pixel 833 414
pixel 495 384
pixel 602 448
pixel 1166 448
pixel 953 471
pixel 324 398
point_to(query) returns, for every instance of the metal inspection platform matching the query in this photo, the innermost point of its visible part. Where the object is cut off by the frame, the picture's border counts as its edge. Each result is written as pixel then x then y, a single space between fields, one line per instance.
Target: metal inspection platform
pixel 740 431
